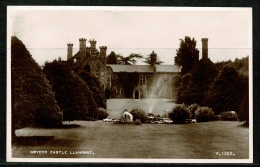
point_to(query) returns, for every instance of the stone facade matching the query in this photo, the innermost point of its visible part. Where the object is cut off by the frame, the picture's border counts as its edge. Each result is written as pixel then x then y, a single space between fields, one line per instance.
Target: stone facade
pixel 154 80
pixel 91 60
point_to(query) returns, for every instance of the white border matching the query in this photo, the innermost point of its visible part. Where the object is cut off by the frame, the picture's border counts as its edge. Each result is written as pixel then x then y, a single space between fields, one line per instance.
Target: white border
pixel 11 10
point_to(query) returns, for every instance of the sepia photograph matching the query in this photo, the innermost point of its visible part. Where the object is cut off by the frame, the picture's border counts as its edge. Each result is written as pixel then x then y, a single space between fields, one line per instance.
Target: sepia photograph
pixel 129 84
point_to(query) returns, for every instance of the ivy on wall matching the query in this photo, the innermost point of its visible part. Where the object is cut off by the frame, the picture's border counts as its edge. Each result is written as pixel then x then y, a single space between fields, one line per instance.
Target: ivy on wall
pixel 128 81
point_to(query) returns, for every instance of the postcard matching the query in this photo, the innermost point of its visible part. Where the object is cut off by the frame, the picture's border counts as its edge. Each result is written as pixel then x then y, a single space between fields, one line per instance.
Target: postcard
pixel 129 84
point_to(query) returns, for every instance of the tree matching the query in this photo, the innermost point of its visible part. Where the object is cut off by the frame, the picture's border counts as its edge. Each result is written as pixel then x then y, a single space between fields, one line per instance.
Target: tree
pixel 226 91
pixel 195 85
pixel 94 85
pixel 187 55
pixel 149 60
pixel 72 93
pixel 111 58
pixel 129 60
pixel 33 102
pixel 183 88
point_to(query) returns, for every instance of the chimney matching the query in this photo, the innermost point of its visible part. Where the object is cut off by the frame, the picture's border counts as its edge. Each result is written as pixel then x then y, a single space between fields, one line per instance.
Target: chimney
pixel 103 53
pixel 93 46
pixel 82 47
pixel 204 48
pixel 70 51
pixel 153 58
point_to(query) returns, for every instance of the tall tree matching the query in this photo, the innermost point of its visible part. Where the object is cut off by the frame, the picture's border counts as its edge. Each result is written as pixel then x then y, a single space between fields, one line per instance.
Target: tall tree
pixel 129 60
pixel 226 91
pixel 111 58
pixel 152 59
pixel 187 55
pixel 72 93
pixel 194 86
pixel 33 102
pixel 95 87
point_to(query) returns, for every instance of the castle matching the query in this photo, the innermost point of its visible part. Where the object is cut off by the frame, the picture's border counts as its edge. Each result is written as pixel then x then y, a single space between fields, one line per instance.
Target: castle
pixel 159 76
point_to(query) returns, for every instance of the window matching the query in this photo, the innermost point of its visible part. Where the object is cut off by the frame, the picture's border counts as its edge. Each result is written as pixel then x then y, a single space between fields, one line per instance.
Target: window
pixel 121 91
pixel 142 80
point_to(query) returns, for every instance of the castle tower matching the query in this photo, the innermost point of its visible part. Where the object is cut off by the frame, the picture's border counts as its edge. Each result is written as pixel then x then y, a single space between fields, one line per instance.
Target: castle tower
pixel 82 47
pixel 103 53
pixel 153 58
pixel 69 51
pixel 204 47
pixel 93 46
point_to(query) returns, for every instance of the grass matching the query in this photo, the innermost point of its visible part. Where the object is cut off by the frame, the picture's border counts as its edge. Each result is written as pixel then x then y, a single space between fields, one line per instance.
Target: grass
pixel 108 140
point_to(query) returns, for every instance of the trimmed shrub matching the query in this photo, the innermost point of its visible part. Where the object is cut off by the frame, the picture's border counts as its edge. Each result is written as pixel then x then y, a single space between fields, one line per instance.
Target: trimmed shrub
pixel 204 114
pixel 102 113
pixel 33 101
pixel 192 108
pixel 179 114
pixel 139 114
pixel 228 116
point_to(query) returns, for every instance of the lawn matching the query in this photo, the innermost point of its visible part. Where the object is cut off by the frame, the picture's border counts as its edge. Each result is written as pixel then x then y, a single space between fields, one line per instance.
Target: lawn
pixel 109 140
pixel 157 141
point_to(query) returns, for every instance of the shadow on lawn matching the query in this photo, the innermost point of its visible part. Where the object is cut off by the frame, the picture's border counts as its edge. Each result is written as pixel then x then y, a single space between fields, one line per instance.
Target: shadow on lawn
pixel 63 126
pixel 32 140
pixel 45 140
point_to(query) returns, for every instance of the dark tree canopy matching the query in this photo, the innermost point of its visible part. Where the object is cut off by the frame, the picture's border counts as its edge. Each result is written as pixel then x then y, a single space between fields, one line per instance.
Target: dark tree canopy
pixel 33 102
pixel 187 54
pixel 72 93
pixel 149 59
pixel 95 87
pixel 111 58
pixel 194 86
pixel 226 91
pixel 129 60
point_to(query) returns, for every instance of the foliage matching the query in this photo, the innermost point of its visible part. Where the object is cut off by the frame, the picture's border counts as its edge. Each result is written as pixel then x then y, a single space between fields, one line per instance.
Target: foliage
pixel 187 54
pixel 108 93
pixel 128 81
pixel 194 86
pixel 149 60
pixel 139 114
pixel 72 93
pixel 204 114
pixel 138 122
pixel 243 112
pixel 228 116
pixel 241 65
pixel 129 60
pixel 203 75
pixel 183 88
pixel 102 113
pixel 192 109
pixel 33 102
pixel 179 114
pixel 225 92
pixel 111 58
pixel 94 85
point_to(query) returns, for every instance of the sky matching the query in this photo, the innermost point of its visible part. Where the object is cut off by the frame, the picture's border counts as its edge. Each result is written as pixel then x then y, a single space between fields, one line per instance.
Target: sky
pixel 45 31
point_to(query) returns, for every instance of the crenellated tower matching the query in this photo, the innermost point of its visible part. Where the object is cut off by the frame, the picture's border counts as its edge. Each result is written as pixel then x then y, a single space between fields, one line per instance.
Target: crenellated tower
pixel 82 47
pixel 103 53
pixel 69 51
pixel 93 46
